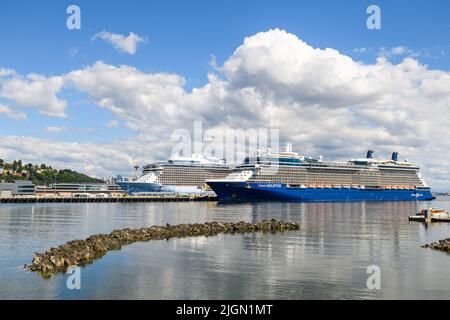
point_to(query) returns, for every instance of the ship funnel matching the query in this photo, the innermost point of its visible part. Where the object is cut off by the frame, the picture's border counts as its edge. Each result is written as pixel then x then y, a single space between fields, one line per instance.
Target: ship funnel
pixel 370 154
pixel 395 156
pixel 136 167
pixel 288 147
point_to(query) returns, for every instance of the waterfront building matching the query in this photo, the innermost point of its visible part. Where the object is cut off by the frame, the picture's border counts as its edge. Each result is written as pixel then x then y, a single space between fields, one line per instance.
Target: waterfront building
pixel 17 188
pixel 80 190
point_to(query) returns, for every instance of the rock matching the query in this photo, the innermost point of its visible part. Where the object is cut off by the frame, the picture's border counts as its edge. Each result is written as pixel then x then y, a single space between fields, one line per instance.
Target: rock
pixel 57 261
pixel 441 245
pixel 81 252
pixel 99 249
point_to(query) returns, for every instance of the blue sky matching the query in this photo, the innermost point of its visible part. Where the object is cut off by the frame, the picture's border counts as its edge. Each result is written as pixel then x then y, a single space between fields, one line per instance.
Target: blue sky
pixel 182 36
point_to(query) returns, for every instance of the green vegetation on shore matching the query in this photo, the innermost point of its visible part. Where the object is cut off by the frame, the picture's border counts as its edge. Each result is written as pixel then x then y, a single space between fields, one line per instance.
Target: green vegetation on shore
pixel 41 174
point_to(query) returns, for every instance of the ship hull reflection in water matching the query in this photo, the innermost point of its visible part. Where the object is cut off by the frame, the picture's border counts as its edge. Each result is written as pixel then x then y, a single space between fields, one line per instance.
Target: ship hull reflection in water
pixel 327 258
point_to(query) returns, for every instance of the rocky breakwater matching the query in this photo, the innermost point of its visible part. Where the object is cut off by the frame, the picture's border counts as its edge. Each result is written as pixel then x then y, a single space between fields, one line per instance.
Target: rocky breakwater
pixel 441 245
pixel 82 252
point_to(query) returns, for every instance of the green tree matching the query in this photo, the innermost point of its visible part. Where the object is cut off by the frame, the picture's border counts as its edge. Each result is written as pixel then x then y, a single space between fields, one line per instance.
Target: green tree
pixel 46 175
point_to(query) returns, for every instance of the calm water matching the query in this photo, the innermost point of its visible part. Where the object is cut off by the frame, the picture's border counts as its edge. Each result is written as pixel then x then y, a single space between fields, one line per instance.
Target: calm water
pixel 326 259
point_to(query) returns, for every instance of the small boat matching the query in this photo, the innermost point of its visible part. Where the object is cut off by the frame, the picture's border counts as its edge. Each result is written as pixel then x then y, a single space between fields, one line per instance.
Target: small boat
pixel 439 215
pixel 418 218
pixel 431 214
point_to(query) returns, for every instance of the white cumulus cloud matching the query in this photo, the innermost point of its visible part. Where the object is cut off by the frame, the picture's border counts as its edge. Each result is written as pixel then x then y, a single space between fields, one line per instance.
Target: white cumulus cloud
pixel 322 101
pixel 399 51
pixel 96 159
pixel 127 44
pixel 54 129
pixel 112 124
pixel 34 91
pixel 10 113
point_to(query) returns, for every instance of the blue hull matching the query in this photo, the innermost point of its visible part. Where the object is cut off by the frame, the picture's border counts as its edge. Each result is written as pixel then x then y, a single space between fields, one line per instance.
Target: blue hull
pixel 242 191
pixel 133 187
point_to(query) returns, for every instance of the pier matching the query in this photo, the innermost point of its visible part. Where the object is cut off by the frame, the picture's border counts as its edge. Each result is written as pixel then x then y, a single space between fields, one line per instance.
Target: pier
pixel 156 198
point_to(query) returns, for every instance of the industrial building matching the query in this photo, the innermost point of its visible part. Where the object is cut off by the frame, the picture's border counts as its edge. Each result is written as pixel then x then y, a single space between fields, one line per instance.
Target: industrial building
pixel 17 188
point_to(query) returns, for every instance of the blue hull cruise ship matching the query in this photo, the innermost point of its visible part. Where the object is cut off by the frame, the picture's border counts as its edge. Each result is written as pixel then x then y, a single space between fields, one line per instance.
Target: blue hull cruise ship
pixel 288 176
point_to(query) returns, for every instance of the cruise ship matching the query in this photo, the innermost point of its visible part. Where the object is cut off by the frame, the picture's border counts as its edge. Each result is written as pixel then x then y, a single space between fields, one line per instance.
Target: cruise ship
pixel 292 177
pixel 186 175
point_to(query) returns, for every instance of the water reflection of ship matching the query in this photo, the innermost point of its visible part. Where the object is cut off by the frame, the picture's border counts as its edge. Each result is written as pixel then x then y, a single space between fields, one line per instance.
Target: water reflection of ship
pixel 368 222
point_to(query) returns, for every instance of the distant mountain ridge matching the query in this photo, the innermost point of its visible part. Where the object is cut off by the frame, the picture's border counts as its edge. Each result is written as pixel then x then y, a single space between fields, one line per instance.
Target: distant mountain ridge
pixel 41 174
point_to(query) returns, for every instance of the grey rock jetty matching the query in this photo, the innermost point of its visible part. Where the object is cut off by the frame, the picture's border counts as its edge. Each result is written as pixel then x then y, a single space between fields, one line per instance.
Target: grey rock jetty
pixel 82 252
pixel 442 245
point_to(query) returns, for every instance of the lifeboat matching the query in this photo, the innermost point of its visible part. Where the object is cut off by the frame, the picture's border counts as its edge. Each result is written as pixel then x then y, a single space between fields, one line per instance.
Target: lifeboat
pixel 336 186
pixel 313 186
pixel 327 186
pixel 346 186
pixel 321 186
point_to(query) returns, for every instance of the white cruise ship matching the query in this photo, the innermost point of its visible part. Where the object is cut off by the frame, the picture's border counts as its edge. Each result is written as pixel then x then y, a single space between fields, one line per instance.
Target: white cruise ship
pixel 184 175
